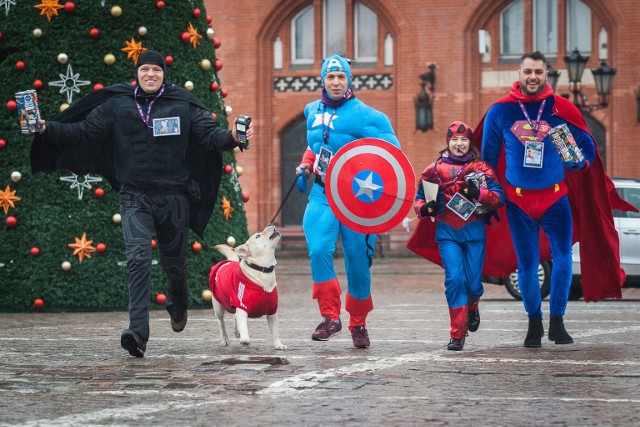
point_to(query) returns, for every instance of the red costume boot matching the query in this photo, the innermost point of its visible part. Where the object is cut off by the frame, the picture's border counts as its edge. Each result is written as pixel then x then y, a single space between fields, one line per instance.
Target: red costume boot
pixel 328 296
pixel 358 310
pixel 458 318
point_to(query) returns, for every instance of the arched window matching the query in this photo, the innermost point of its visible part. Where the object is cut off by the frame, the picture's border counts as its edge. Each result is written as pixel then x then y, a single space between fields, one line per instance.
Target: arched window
pixel 578 26
pixel 349 28
pixel 302 42
pixel 544 16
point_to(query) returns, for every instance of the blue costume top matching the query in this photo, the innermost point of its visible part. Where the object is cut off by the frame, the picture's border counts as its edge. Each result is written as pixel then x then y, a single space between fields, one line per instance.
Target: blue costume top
pixel 352 120
pixel 506 122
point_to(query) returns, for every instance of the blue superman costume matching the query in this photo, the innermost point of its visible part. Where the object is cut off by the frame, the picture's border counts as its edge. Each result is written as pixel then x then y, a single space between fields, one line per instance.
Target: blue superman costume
pixel 591 196
pixel 331 124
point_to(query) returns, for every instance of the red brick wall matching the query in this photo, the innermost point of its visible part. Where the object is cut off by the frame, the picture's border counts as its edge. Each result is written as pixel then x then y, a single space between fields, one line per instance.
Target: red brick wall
pixel 438 31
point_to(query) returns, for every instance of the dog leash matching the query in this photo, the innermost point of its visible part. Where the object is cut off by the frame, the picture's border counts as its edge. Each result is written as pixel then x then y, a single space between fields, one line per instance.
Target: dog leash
pixel 293 184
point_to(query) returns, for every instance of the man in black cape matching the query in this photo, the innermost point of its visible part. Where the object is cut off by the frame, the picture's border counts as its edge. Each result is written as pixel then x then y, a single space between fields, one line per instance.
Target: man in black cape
pixel 161 149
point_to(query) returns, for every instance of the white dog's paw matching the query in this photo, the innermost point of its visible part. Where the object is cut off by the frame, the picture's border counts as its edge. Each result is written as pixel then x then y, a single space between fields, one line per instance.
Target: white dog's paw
pixel 245 341
pixel 279 346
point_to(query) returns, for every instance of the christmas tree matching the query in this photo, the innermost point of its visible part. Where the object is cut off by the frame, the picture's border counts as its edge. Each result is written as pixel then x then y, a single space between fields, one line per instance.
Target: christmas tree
pixel 61 247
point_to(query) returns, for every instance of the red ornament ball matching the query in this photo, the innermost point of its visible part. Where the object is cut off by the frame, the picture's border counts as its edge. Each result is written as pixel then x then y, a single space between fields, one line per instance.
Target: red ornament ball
pixel 37 84
pixel 185 37
pixel 228 169
pixel 209 20
pixel 245 197
pixel 94 33
pixel 161 298
pixel 20 65
pixel 3 143
pixel 196 13
pixel 99 193
pixel 215 116
pixel 168 59
pixel 160 4
pixel 0 35
pixel 35 251
pixel 38 303
pixel 217 43
pixel 98 86
pixel 217 65
pixel 196 246
pixel 12 221
pixel 214 86
pixel 153 244
pixel 224 93
pixel 101 247
pixel 69 7
pixel 12 105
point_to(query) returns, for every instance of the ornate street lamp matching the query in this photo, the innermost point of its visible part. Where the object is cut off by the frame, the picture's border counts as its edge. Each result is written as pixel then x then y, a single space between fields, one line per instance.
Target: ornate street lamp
pixel 553 77
pixel 603 77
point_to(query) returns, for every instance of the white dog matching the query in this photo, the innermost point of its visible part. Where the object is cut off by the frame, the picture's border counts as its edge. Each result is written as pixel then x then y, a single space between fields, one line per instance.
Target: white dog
pixel 245 284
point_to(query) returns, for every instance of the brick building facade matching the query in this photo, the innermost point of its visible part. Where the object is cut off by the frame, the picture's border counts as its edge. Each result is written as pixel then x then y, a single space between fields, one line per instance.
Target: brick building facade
pixel 472 43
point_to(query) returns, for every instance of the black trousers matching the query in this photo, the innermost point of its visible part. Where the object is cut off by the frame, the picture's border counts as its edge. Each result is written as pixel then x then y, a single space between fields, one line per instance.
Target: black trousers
pixel 168 215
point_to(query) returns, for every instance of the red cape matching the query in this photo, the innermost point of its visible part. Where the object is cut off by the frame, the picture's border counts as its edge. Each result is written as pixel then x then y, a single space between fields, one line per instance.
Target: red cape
pixel 592 196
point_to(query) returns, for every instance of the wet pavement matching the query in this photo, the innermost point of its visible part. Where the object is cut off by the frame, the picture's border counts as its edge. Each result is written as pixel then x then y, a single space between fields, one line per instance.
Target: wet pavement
pixel 67 369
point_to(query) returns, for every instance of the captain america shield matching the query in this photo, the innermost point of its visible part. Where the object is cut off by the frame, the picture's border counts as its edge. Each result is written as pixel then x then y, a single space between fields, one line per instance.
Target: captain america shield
pixel 370 185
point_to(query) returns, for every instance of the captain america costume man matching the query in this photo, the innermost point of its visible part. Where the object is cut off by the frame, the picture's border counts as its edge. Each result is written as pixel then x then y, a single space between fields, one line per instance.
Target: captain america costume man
pixel 332 122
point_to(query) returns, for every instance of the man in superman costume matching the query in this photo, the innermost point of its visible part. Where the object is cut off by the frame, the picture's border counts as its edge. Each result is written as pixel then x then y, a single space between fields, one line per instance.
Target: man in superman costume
pixel 332 122
pixel 570 201
pixel 570 207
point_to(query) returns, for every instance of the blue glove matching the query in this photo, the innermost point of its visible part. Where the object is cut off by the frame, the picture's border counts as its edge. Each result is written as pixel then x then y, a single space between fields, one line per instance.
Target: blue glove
pixel 301 183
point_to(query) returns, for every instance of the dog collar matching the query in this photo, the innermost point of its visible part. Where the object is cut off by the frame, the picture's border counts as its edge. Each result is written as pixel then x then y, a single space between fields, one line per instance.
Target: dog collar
pixel 263 269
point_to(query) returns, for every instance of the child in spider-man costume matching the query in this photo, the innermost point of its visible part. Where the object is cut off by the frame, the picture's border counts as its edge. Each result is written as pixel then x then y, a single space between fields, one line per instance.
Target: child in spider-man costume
pixel 460 232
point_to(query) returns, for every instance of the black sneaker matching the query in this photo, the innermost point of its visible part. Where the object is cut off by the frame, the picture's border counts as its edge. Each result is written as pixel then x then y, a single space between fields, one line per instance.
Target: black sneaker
pixel 360 337
pixel 327 329
pixel 132 342
pixel 473 320
pixel 179 325
pixel 455 344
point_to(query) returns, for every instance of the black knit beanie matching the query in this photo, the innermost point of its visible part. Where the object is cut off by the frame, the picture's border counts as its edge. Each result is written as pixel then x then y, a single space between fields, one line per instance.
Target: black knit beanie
pixel 152 57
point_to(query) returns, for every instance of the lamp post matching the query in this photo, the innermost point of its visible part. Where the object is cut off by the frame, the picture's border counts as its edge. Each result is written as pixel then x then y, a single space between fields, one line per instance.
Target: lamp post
pixel 603 77
pixel 424 100
pixel 553 76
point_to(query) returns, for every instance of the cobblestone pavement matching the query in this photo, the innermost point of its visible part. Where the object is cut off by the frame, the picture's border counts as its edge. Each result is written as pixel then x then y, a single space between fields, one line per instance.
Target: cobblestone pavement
pixel 67 369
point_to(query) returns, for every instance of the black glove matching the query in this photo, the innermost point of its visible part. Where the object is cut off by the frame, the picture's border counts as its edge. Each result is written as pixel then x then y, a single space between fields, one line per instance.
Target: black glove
pixel 471 191
pixel 430 209
pixel 487 217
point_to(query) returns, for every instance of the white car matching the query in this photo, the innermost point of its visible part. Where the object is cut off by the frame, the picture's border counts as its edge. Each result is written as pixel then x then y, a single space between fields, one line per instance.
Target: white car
pixel 628 226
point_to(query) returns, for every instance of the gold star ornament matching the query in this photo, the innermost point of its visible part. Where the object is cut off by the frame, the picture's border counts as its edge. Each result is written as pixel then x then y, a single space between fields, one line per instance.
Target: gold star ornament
pixel 82 247
pixel 7 199
pixel 134 50
pixel 226 208
pixel 194 37
pixel 49 8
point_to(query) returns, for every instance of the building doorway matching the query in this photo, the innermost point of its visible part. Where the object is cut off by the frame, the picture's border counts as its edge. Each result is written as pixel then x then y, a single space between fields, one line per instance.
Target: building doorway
pixel 293 143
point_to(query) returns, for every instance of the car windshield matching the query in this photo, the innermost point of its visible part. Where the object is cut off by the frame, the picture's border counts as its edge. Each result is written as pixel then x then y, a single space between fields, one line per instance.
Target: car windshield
pixel 631 195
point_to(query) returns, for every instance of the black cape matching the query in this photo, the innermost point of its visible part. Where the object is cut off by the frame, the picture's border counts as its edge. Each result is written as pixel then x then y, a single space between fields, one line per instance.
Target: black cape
pixel 205 165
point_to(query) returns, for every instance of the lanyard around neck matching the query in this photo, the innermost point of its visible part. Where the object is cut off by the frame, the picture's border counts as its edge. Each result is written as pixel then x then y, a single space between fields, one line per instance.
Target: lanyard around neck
pixel 144 118
pixel 535 126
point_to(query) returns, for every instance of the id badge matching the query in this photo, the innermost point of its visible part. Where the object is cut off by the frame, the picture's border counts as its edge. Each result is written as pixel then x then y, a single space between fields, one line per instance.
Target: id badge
pixel 533 154
pixel 323 159
pixel 461 206
pixel 166 126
